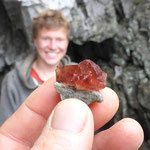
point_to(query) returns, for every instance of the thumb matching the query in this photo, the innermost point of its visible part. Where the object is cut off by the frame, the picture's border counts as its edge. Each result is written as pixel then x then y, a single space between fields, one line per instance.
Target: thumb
pixel 70 126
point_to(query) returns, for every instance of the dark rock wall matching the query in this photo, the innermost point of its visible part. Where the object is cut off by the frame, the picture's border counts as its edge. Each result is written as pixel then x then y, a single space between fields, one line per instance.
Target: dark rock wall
pixel 13 43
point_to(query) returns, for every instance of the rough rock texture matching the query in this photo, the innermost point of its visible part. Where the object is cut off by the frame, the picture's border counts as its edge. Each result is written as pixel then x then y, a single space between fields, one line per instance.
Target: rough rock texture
pixel 113 33
pixel 86 96
pixel 87 23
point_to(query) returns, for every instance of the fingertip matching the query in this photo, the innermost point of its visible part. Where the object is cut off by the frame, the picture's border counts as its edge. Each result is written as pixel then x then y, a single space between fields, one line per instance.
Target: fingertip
pixel 127 134
pixel 133 131
pixel 104 111
pixel 110 97
pixel 70 126
pixel 75 113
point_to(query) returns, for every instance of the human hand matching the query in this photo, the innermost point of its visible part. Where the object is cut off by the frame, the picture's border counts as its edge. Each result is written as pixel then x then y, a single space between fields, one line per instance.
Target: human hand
pixel 43 122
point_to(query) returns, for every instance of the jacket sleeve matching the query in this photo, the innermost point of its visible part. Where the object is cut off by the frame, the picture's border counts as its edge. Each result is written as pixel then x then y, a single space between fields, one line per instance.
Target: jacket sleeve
pixel 8 97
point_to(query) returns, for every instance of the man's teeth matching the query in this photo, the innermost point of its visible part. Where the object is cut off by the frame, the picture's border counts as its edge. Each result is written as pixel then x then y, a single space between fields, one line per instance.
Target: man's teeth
pixel 52 54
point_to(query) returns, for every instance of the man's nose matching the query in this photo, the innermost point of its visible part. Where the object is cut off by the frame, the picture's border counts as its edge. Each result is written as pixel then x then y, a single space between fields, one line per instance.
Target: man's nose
pixel 52 44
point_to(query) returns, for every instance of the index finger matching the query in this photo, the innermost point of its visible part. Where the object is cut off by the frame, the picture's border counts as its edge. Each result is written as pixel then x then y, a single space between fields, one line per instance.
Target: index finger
pixel 26 124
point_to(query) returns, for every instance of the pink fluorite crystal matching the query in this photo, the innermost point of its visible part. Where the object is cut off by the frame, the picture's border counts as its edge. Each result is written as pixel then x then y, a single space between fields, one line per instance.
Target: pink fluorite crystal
pixel 85 76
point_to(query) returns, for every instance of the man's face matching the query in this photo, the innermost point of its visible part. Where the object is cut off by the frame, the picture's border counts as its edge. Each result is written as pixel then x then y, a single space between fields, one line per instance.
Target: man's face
pixel 51 45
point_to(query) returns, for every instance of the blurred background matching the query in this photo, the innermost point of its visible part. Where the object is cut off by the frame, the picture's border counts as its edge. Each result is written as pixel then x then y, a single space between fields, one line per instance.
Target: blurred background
pixel 115 34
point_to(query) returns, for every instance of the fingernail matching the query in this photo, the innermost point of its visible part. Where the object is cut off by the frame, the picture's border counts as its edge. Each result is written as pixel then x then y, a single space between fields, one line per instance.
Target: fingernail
pixel 69 116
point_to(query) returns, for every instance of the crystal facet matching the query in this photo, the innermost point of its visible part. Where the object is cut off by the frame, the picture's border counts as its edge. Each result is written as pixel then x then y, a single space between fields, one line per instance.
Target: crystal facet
pixel 85 76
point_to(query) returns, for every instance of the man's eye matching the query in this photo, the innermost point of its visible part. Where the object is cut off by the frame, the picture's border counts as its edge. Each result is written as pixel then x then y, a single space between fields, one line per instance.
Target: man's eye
pixel 45 38
pixel 60 40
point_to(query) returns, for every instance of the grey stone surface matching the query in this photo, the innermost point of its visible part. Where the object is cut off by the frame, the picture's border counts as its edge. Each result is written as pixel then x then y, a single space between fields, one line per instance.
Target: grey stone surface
pixel 90 20
pixel 86 96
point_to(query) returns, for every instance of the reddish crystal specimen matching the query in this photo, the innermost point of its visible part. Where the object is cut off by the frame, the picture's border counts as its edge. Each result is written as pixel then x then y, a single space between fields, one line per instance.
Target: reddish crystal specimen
pixel 85 76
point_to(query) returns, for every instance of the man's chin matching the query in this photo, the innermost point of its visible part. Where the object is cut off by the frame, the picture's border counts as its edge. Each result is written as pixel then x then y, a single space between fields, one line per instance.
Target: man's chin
pixel 52 63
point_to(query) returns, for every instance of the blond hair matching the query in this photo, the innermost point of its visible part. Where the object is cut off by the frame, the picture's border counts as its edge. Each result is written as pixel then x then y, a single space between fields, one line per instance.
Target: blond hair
pixel 50 19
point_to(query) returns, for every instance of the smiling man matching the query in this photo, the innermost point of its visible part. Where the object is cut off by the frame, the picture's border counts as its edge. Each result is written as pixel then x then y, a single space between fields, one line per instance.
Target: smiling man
pixel 50 34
